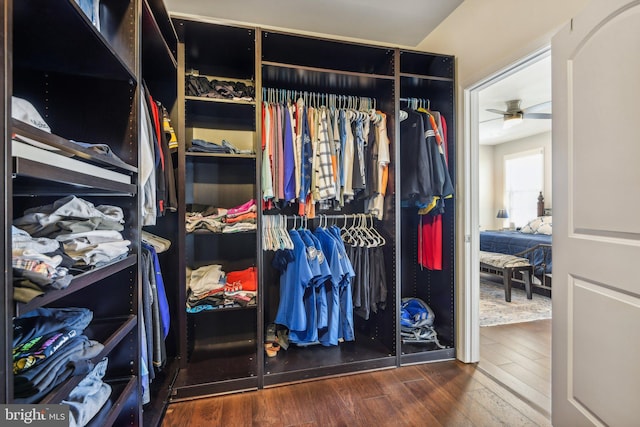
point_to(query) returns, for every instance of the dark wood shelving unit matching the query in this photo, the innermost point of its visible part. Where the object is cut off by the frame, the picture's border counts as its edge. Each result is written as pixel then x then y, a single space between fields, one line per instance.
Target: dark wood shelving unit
pixel 430 77
pixel 85 83
pixel 59 25
pixel 279 60
pixel 218 348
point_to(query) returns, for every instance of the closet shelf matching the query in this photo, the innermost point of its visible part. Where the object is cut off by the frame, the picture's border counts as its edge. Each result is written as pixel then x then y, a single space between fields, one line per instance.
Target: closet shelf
pixel 160 15
pixel 155 46
pixel 78 282
pixel 333 72
pixel 23 129
pixel 83 184
pixel 220 100
pixel 316 360
pixel 109 333
pixel 35 164
pixel 286 76
pixel 225 309
pixel 427 77
pixel 159 48
pixel 211 233
pixel 121 392
pixel 219 115
pixel 225 156
pixel 328 54
pixel 112 330
pixel 37 41
pixel 421 353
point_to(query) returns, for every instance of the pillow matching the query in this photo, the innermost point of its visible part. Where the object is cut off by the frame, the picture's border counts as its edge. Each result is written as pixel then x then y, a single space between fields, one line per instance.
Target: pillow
pixel 539 225
pixel 546 227
pixel 532 226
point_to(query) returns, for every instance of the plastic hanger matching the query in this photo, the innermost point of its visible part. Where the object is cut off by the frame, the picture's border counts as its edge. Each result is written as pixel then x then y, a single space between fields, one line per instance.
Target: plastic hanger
pixel 381 240
pixel 285 233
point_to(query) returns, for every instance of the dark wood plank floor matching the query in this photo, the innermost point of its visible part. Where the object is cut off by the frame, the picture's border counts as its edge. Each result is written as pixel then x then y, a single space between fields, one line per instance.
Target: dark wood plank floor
pixel 519 357
pixel 434 394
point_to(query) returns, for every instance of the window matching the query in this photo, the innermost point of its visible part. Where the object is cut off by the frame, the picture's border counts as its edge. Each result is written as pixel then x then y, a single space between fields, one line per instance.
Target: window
pixel 524 180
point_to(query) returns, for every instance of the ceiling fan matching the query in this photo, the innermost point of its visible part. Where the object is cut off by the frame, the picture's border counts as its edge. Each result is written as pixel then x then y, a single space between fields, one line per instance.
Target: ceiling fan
pixel 515 113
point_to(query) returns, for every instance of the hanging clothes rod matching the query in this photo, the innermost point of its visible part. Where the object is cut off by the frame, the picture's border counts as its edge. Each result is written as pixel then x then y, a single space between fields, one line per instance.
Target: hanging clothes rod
pixel 317 98
pixel 323 216
pixel 418 102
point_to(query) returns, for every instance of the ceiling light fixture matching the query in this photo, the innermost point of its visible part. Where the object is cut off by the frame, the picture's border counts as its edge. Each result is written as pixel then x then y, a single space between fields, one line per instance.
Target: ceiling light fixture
pixel 512 120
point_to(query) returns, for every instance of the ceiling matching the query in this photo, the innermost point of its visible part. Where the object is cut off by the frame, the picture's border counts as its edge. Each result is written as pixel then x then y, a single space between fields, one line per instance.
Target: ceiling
pixel 532 85
pixel 399 22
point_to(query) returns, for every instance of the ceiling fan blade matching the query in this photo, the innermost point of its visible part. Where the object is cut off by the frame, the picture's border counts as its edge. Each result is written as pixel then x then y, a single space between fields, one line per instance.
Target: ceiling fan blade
pixel 538 107
pixel 491 110
pixel 537 115
pixel 491 120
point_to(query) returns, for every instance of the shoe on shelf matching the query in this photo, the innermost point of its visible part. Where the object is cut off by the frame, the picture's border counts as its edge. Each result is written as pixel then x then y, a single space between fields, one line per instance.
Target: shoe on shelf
pixel 270 335
pixel 271 348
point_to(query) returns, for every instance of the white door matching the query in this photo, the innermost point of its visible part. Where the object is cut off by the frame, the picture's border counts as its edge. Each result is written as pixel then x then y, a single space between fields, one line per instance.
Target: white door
pixel 596 227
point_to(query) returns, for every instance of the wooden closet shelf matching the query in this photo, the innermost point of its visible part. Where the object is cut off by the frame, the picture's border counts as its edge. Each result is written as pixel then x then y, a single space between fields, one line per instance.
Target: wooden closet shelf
pixel 78 282
pixel 68 148
pixel 109 333
pixel 39 28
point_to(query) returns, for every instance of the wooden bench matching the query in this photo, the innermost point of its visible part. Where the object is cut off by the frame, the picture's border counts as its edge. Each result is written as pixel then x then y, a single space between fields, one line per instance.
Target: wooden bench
pixel 509 267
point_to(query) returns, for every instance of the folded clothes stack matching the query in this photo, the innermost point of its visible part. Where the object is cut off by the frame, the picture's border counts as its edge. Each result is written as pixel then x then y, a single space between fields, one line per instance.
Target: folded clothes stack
pixel 48 348
pixel 210 288
pixel 225 147
pixel 221 89
pixel 221 220
pixel 71 233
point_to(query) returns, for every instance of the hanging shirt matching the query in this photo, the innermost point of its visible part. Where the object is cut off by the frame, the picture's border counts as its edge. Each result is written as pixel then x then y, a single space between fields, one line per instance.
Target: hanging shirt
pixel 376 204
pixel 324 170
pixel 289 170
pixel 348 158
pixel 296 111
pixel 294 279
pixel 267 178
pixel 338 148
pixel 346 330
pixel 306 153
pixel 331 335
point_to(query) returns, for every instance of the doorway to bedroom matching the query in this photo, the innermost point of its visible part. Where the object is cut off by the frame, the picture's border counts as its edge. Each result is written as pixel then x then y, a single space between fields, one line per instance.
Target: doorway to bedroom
pixel 514 212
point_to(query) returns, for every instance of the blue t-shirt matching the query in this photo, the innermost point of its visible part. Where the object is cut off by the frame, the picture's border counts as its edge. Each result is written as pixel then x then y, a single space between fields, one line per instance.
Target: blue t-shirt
pixel 320 271
pixel 331 335
pixel 293 282
pixel 346 297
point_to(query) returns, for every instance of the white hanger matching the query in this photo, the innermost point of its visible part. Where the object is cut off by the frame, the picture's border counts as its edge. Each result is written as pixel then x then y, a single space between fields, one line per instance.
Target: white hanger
pixel 379 240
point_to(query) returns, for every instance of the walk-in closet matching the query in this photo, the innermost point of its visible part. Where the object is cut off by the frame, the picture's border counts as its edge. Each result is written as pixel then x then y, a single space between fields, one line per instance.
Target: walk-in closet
pixel 270 195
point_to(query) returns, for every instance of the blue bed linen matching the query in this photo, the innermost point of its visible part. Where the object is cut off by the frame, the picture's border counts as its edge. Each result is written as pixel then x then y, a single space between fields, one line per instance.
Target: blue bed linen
pixel 513 242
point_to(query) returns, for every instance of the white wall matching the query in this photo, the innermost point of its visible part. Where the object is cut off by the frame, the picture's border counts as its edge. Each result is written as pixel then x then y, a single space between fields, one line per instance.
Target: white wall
pixel 499 152
pixel 488 35
pixel 487 188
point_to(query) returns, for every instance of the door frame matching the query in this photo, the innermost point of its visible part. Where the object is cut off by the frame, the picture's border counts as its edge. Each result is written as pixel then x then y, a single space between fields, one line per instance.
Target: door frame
pixel 469 318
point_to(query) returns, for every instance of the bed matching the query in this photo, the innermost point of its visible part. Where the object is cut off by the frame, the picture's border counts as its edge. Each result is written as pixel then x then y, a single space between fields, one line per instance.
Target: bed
pixel 533 241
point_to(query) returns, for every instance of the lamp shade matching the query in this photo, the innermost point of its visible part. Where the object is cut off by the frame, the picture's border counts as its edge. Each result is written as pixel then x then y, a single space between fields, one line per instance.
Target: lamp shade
pixel 502 213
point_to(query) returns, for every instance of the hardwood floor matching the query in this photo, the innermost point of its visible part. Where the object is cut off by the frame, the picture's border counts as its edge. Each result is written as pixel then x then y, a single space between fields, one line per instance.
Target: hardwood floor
pixel 519 357
pixel 433 394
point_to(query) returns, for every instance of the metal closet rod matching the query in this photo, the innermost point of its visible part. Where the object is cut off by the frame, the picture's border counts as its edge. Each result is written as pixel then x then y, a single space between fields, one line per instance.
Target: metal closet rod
pixel 323 216
pixel 339 101
pixel 420 102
